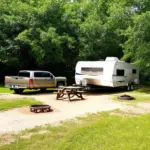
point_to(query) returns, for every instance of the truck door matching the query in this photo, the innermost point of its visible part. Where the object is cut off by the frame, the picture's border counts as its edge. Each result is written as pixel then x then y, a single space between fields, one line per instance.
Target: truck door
pixel 39 80
pixel 49 79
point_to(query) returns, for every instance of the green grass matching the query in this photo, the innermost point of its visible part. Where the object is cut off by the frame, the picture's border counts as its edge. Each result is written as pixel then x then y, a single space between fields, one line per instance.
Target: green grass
pixel 141 94
pixel 142 89
pixel 4 90
pixel 6 104
pixel 138 98
pixel 7 90
pixel 38 91
pixel 96 132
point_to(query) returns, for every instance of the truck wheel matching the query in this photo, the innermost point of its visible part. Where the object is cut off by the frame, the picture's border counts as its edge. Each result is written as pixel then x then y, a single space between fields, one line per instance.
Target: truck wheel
pixel 18 91
pixel 59 84
pixel 43 90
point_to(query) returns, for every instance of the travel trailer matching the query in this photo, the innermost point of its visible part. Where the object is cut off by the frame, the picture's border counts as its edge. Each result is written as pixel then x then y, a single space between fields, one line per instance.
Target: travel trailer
pixel 109 73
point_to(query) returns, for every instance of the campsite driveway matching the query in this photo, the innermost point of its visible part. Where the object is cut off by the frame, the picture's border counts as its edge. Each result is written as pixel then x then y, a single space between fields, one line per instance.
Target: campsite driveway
pixel 21 118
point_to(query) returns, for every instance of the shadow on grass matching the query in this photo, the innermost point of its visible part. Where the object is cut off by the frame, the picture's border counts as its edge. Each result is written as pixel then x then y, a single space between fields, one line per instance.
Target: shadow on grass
pixel 37 92
pixel 103 91
pixel 71 99
pixel 94 91
pixel 143 89
pixel 25 92
pixel 140 89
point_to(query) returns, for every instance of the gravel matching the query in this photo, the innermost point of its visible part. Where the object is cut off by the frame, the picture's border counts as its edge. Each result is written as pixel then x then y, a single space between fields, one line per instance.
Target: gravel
pixel 15 120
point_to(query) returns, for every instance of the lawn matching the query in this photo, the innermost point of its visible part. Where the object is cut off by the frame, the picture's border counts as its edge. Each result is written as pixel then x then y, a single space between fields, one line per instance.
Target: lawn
pixel 4 90
pixel 7 90
pixel 145 89
pixel 141 94
pixel 102 131
pixel 6 104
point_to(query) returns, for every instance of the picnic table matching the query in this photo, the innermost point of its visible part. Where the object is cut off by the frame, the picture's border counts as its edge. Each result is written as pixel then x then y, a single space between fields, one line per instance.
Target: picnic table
pixel 70 91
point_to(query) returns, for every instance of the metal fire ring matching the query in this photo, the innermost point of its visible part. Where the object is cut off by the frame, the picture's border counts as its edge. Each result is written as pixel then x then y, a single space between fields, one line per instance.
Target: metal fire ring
pixel 126 97
pixel 40 108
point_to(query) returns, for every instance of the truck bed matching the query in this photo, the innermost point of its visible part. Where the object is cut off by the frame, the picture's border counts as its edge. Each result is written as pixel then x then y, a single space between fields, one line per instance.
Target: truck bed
pixel 16 82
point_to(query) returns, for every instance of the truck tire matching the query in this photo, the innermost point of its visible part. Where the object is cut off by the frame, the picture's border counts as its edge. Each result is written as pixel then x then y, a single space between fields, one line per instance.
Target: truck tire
pixel 60 84
pixel 18 91
pixel 43 90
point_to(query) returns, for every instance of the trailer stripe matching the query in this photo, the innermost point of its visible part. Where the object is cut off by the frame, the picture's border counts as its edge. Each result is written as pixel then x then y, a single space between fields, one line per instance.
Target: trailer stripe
pixel 79 74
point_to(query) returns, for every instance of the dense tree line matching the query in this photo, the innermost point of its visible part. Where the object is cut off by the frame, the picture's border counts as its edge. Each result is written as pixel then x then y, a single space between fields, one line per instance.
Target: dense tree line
pixel 54 34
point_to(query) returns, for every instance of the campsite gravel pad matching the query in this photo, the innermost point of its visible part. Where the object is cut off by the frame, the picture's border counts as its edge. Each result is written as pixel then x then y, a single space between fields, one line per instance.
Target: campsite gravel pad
pixel 40 108
pixel 126 97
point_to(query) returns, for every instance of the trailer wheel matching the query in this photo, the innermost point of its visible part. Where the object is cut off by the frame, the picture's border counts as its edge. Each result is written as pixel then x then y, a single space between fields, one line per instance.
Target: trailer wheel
pixel 129 87
pixel 18 91
pixel 132 87
pixel 43 90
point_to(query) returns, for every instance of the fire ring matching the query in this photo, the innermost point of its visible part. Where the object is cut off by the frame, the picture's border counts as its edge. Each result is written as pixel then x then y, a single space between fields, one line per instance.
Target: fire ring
pixel 40 108
pixel 126 97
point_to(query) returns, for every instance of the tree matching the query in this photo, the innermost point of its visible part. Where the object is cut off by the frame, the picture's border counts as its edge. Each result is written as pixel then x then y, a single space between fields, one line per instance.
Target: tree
pixel 138 43
pixel 101 31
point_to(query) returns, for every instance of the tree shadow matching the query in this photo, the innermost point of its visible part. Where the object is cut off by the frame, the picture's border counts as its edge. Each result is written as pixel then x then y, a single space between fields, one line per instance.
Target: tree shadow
pixel 105 90
pixel 37 92
pixel 71 99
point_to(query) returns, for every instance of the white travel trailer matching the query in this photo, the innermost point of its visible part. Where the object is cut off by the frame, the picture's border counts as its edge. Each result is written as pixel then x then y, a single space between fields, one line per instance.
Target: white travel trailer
pixel 109 73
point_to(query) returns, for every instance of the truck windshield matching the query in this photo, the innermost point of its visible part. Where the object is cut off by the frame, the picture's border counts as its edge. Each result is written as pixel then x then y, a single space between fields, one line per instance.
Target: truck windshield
pixel 24 74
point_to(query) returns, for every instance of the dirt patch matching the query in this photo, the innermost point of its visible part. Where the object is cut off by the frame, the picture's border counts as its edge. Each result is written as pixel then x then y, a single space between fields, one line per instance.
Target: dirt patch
pixel 124 113
pixel 137 109
pixel 11 96
pixel 19 119
pixel 28 135
pixel 6 139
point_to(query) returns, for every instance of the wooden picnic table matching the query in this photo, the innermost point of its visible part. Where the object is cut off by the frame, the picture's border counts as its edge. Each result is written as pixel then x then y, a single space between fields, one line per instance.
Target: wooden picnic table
pixel 70 91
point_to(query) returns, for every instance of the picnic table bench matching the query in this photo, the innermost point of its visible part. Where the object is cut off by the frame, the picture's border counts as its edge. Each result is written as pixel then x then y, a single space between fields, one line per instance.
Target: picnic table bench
pixel 70 91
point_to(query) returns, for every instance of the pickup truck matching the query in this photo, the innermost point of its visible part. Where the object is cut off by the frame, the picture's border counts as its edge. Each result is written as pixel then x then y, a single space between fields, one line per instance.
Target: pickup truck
pixel 28 79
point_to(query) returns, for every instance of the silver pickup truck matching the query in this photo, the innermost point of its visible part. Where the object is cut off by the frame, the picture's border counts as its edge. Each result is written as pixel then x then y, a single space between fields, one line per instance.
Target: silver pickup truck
pixel 28 79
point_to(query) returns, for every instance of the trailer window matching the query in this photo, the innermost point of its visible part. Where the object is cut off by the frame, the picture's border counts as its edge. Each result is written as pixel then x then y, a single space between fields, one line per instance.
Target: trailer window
pixel 133 71
pixel 91 71
pixel 120 72
pixel 24 74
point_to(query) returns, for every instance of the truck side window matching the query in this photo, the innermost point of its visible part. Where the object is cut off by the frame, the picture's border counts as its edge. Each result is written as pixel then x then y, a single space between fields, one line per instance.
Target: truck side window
pixel 24 74
pixel 46 74
pixel 38 74
pixel 120 72
pixel 133 71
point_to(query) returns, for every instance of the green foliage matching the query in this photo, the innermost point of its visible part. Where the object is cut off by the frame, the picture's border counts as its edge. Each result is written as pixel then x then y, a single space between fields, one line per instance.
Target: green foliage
pixel 137 45
pixel 44 34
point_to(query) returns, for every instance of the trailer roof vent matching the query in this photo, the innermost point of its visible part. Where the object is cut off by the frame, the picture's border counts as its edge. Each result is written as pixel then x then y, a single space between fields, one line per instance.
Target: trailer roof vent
pixel 112 59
